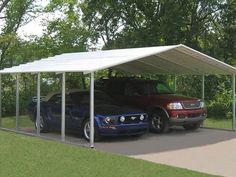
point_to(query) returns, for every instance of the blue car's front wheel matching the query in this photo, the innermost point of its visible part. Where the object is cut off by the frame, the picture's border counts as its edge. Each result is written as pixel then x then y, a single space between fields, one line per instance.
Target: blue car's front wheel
pixel 43 124
pixel 86 131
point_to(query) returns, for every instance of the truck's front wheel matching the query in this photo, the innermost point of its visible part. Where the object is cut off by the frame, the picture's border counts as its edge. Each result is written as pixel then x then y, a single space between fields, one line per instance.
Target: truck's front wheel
pixel 158 122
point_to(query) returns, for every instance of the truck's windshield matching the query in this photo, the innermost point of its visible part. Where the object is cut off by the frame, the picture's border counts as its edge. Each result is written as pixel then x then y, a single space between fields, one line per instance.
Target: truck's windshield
pixel 135 89
pixel 163 89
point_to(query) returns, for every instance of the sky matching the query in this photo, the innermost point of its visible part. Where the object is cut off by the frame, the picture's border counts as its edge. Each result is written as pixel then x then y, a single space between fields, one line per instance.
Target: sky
pixel 35 26
pixel 32 28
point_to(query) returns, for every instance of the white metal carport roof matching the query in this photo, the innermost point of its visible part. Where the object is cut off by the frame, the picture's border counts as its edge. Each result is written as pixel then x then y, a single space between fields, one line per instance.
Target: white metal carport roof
pixel 176 59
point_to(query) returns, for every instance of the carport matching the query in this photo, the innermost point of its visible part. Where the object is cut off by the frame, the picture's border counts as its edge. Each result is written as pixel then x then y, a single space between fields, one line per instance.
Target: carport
pixel 176 60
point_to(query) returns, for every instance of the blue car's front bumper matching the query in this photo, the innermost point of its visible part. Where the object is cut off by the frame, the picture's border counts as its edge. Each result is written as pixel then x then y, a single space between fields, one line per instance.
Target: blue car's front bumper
pixel 123 129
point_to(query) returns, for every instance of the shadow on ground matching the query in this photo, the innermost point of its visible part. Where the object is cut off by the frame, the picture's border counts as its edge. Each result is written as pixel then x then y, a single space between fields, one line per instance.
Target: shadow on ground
pixel 154 143
pixel 176 138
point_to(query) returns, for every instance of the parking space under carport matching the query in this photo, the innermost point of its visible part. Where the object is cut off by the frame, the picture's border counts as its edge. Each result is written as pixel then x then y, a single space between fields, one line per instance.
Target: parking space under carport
pixel 175 60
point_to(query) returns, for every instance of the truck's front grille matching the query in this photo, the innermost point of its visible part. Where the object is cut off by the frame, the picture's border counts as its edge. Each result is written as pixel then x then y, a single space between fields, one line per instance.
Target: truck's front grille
pixel 194 115
pixel 191 105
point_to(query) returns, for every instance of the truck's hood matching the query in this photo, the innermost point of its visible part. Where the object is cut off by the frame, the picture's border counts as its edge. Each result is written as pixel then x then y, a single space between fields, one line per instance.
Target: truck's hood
pixel 173 98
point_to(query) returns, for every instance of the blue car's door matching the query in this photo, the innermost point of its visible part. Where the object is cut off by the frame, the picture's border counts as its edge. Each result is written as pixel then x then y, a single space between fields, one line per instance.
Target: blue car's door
pixel 77 106
pixel 74 114
pixel 54 109
pixel 75 118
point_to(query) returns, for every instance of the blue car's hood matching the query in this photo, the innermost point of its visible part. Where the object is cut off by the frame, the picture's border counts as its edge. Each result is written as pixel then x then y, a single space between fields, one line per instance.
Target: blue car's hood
pixel 107 109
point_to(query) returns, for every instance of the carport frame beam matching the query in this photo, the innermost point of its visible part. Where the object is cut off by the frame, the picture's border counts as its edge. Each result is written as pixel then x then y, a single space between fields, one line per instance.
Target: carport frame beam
pixel 203 87
pixel 92 110
pixel 63 106
pixel 17 101
pixel 38 121
pixel 233 111
pixel 0 100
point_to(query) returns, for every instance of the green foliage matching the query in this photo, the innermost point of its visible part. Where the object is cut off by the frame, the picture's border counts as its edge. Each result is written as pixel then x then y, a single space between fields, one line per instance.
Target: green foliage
pixel 189 85
pixel 67 33
pixel 221 104
pixel 218 122
pixel 228 32
pixel 218 92
pixel 147 23
pixel 10 122
pixel 15 14
pixel 27 90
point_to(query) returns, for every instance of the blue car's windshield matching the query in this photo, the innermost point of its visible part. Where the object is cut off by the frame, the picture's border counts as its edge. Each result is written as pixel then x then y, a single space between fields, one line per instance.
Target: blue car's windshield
pixel 84 98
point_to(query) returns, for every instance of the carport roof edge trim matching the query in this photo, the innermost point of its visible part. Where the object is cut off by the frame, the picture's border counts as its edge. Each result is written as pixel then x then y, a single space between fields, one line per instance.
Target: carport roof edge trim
pixel 88 62
pixel 207 56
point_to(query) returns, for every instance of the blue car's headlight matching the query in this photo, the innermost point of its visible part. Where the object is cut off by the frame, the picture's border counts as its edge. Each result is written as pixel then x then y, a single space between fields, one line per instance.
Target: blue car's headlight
pixel 108 120
pixel 142 117
pixel 122 118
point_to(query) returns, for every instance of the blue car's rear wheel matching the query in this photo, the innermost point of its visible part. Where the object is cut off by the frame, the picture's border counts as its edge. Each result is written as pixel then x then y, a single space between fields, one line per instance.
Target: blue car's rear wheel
pixel 86 131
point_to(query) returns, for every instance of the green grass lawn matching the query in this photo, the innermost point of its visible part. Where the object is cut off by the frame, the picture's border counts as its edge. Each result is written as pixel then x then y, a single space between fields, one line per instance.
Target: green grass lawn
pixel 10 122
pixel 218 123
pixel 23 156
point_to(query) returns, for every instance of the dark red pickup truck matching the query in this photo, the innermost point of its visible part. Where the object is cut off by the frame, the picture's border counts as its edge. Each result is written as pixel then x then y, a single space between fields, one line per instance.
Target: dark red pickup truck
pixel 164 108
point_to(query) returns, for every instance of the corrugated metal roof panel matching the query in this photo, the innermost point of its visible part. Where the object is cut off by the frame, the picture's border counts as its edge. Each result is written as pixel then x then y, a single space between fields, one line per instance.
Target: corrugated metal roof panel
pixel 176 59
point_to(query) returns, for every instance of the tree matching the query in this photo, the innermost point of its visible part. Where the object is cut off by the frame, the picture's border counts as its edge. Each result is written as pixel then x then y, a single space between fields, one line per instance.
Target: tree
pixel 14 16
pixel 147 23
pixel 3 5
pixel 228 31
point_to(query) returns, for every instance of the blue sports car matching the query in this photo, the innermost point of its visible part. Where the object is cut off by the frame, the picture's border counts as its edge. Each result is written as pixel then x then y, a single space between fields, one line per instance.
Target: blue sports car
pixel 110 119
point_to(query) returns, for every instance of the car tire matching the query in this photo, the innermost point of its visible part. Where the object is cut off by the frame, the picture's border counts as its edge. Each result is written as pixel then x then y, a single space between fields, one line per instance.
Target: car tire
pixel 43 124
pixel 86 131
pixel 158 122
pixel 194 126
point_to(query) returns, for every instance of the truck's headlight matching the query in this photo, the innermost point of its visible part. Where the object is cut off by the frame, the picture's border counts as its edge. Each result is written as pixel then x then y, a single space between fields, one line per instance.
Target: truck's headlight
pixel 174 106
pixel 202 104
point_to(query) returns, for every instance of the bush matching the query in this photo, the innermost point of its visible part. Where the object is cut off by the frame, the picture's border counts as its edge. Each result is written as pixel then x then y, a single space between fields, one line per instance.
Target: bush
pixel 221 104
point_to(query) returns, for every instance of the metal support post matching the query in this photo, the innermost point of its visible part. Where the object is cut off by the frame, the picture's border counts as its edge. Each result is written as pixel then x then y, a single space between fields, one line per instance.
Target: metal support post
pixel 0 100
pixel 17 102
pixel 203 94
pixel 38 105
pixel 233 111
pixel 203 87
pixel 63 105
pixel 92 110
